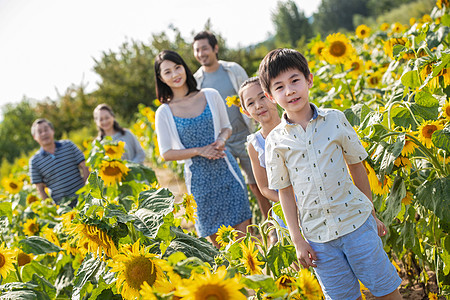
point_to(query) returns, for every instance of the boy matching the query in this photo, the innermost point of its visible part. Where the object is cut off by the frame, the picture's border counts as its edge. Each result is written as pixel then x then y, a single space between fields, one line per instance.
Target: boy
pixel 307 155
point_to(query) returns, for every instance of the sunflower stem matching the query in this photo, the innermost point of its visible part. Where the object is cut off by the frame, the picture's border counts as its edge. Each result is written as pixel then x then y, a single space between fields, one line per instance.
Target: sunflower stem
pixel 348 85
pixel 19 277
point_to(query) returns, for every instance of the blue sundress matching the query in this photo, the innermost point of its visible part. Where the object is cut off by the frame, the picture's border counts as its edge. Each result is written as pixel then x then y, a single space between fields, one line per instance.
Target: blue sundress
pixel 220 197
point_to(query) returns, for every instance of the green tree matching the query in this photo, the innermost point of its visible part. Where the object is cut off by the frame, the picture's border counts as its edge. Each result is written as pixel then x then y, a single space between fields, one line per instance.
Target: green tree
pixel 15 134
pixel 336 15
pixel 290 24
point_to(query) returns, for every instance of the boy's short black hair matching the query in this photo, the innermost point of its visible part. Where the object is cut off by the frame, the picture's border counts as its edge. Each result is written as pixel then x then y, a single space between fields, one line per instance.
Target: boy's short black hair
pixel 246 83
pixel 278 61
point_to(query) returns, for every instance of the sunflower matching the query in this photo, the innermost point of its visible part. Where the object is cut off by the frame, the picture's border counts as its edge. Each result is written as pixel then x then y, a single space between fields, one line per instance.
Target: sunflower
pixel 31 199
pixel 250 258
pixel 355 66
pixel 425 72
pixel 23 258
pixel 22 162
pixel 412 21
pixel 362 31
pixel 426 131
pixel 190 207
pixel 407 200
pixel 115 151
pixel 309 285
pixel 339 49
pixel 226 235
pixel 135 267
pixel 31 227
pixel 66 220
pixel 388 46
pixel 426 18
pixel 12 185
pixel 374 79
pixel 432 296
pixel 286 282
pixel 93 239
pixel 70 249
pixel 441 4
pixel 402 161
pixel 211 286
pixel 317 48
pixel 23 177
pixel 384 26
pixel 50 235
pixel 233 100
pixel 397 27
pixel 112 172
pixel 7 259
pixel 362 288
pixel 409 147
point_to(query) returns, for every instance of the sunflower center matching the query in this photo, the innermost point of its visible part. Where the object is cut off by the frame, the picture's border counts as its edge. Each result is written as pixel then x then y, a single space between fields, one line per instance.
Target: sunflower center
pixel 355 66
pixel 447 110
pixel 2 260
pixel 251 262
pixel 213 292
pixel 110 151
pixel 34 227
pixel 374 80
pixel 13 185
pixel 112 171
pixel 23 259
pixel 138 270
pixel 338 48
pixel 362 32
pixel 428 131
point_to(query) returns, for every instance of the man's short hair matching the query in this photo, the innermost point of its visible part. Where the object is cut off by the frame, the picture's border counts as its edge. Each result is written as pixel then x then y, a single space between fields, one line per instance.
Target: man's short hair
pixel 40 121
pixel 244 85
pixel 278 61
pixel 206 35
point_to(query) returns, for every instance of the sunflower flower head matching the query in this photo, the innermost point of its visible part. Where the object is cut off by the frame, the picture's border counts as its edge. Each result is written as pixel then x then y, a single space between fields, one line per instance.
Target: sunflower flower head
pixel 211 286
pixel 226 235
pixel 112 172
pixel 286 282
pixel 338 50
pixel 426 130
pixel 93 239
pixel 397 27
pixel 403 162
pixel 233 100
pixel 31 227
pixel 388 46
pixel 441 4
pixel 362 31
pixel 374 79
pixel 384 26
pixel 355 65
pixel 115 151
pixel 408 199
pixel 250 258
pixel 23 258
pixel 12 185
pixel 7 259
pixel 317 48
pixel 190 207
pixel 309 285
pixel 135 267
pixel 31 198
pixel 409 147
pixel 51 236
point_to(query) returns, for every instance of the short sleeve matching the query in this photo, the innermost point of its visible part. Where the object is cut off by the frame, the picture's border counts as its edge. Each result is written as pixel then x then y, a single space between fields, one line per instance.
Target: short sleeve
pixel 77 154
pixel 354 151
pixel 162 129
pixel 34 172
pixel 277 172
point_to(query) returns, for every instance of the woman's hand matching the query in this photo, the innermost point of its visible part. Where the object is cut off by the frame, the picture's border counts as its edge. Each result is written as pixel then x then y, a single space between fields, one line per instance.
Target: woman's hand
pixel 219 144
pixel 210 152
pixel 380 227
pixel 305 254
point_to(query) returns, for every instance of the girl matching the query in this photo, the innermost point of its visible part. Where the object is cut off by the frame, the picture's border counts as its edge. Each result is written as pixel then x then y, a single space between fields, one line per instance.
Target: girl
pixel 255 105
pixel 192 126
pixel 108 126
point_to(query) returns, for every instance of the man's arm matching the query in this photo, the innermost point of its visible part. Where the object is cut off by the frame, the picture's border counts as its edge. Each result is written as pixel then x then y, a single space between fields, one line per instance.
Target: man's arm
pixel 41 190
pixel 359 175
pixel 305 253
pixel 84 169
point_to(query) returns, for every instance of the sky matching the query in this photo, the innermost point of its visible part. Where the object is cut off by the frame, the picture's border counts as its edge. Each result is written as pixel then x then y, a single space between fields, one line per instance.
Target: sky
pixel 48 45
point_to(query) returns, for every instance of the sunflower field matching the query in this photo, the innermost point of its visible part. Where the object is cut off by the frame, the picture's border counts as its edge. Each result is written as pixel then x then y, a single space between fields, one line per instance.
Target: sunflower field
pixel 124 239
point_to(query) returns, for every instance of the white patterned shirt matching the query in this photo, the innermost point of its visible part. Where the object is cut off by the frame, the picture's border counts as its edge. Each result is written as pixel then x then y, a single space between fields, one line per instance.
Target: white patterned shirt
pixel 313 161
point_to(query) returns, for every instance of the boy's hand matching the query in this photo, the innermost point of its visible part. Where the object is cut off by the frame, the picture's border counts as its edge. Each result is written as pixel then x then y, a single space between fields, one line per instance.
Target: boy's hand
pixel 305 254
pixel 380 227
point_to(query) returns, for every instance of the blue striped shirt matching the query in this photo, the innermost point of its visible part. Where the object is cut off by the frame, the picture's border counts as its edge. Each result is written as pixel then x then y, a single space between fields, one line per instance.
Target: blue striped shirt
pixel 59 171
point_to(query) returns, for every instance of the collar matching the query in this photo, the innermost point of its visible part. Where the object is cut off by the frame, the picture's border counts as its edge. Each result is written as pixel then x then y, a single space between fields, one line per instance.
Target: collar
pixel 316 112
pixel 45 153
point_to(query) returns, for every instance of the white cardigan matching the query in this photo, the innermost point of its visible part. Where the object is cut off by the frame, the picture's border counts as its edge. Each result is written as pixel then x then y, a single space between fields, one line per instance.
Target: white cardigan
pixel 167 134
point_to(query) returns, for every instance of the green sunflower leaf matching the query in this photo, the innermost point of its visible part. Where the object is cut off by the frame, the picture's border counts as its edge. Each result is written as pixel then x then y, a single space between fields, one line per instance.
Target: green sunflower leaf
pixel 441 139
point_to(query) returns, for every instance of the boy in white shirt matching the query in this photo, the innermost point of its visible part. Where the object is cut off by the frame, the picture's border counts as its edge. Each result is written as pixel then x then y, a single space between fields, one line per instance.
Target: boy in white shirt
pixel 308 155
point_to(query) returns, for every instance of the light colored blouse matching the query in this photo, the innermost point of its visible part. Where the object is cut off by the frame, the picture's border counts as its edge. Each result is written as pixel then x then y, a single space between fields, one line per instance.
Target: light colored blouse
pixel 167 134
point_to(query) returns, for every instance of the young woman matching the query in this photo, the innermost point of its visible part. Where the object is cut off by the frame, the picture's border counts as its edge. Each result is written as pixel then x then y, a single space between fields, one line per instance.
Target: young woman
pixel 192 126
pixel 108 126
